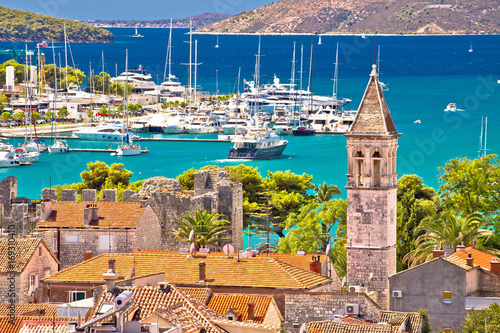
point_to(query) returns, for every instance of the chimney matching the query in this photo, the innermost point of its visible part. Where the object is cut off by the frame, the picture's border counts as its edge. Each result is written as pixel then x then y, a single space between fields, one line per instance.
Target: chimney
pixel 470 260
pixel 90 213
pixel 460 247
pixel 203 271
pixel 110 276
pixel 88 255
pixel 315 265
pixel 437 252
pixel 495 266
pixel 251 311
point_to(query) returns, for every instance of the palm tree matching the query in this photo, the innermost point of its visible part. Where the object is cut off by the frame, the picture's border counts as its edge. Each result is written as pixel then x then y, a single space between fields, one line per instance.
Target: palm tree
pixel 447 228
pixel 207 228
pixel 325 192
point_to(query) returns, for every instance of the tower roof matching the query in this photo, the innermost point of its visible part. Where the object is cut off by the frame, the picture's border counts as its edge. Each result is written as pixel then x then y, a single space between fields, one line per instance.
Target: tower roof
pixel 373 116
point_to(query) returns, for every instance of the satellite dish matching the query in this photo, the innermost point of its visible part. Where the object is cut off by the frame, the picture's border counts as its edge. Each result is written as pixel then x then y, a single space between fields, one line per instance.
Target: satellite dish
pixel 343 282
pixel 303 328
pixel 228 249
pixel 327 251
pixel 191 248
pixel 191 235
pixel 370 277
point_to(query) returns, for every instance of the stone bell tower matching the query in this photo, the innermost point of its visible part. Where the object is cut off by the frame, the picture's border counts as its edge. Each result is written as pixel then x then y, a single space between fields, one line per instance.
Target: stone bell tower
pixel 372 144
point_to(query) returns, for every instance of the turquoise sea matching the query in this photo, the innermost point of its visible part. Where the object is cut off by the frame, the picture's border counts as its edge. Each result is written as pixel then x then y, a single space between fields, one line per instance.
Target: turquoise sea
pixel 424 74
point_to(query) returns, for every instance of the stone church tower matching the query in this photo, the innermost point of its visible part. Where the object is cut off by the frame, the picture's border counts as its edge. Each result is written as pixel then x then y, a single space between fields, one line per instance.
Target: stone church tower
pixel 372 144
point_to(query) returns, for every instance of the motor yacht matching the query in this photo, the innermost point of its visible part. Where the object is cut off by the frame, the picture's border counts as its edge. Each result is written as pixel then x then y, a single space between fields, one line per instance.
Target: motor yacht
pixel 8 159
pixel 59 147
pixel 258 143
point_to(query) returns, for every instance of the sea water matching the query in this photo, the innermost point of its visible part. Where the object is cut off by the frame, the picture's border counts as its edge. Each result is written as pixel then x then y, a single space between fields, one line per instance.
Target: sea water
pixel 424 74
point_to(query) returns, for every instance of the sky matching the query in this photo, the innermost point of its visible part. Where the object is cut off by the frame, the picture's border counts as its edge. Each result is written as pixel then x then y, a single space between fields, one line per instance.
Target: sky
pixel 131 9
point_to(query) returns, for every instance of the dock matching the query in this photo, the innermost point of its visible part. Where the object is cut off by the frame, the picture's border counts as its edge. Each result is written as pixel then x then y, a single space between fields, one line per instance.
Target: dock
pixel 98 150
pixel 61 137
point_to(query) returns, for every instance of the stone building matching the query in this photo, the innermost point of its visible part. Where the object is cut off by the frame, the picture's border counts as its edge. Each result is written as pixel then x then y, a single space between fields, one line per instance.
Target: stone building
pixel 214 191
pixel 31 261
pixel 372 144
pixel 448 286
pixel 77 230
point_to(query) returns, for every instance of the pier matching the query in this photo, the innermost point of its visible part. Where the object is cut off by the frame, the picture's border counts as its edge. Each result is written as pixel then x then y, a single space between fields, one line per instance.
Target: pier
pixel 61 137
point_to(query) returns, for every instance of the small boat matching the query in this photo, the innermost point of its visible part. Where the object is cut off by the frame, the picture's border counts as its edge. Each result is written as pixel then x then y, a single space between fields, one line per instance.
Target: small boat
pixel 42 45
pixel 217 45
pixel 363 35
pixel 257 144
pixel 417 121
pixel 451 107
pixel 470 49
pixel 128 149
pixel 303 131
pixel 26 157
pixel 137 34
pixel 319 41
pixel 59 147
pixel 8 159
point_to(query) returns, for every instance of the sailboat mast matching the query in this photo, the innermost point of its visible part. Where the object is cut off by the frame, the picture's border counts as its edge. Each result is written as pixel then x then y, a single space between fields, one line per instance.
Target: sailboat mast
pixel 66 55
pixel 55 95
pixel 293 68
pixel 481 138
pixel 336 74
pixel 126 95
pixel 190 54
pixel 103 92
pixel 301 75
pixel 26 97
pixel 309 88
pixel 195 67
pixel 485 134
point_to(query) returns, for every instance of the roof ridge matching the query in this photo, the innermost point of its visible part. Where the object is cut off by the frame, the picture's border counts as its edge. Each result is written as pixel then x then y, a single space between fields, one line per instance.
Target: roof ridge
pixel 47 278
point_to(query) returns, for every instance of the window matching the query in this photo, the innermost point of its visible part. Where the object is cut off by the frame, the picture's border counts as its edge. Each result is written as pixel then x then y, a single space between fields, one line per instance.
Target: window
pixel 72 238
pixel 39 251
pixel 76 296
pixel 447 297
pixel 106 243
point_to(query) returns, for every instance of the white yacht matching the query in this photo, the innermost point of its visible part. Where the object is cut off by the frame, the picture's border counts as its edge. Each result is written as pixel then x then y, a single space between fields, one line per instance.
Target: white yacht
pixel 258 143
pixel 129 149
pixel 282 127
pixel 106 132
pixel 451 107
pixel 34 146
pixel 59 147
pixel 171 88
pixel 230 127
pixel 8 159
pixel 26 157
pixel 175 125
pixel 138 77
pixel 203 125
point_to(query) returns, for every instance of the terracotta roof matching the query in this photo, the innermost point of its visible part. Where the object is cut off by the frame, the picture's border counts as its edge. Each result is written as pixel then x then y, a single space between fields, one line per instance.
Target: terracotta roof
pixel 111 215
pixel 373 116
pixel 176 306
pixel 481 258
pixel 413 320
pixel 202 295
pixel 183 270
pixel 289 258
pixel 241 325
pixel 456 260
pixel 331 326
pixel 24 249
pixel 25 309
pixel 34 324
pixel 221 303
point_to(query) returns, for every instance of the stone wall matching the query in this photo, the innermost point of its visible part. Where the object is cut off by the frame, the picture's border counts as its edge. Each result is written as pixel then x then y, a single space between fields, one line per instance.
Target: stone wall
pixel 4 286
pixel 8 191
pixel 148 231
pixel 304 307
pixel 489 285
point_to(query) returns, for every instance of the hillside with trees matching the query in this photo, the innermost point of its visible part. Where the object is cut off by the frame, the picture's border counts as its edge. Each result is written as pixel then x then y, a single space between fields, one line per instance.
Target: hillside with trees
pixel 365 16
pixel 20 26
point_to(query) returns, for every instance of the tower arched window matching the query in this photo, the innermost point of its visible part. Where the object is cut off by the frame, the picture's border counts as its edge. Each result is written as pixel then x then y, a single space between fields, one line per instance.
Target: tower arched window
pixel 359 167
pixel 376 168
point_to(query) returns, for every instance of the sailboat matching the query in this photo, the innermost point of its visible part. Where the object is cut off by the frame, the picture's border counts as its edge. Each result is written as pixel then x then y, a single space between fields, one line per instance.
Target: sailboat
pixel 483 138
pixel 302 129
pixel 128 148
pixel 383 86
pixel 137 34
pixel 217 45
pixel 470 49
pixel 319 41
pixel 59 146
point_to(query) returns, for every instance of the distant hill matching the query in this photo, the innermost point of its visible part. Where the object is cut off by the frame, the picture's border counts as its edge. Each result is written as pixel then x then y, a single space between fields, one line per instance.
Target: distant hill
pixel 368 16
pixel 17 25
pixel 198 22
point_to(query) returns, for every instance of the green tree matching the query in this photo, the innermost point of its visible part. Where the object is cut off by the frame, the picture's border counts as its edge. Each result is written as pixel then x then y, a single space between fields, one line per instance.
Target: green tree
pixel 36 116
pixel 90 113
pixel 62 113
pixel 447 228
pixel 312 227
pixel 486 320
pixel 325 192
pixel 100 173
pixel 5 117
pixel 415 202
pixel 48 115
pixel 18 115
pixel 207 228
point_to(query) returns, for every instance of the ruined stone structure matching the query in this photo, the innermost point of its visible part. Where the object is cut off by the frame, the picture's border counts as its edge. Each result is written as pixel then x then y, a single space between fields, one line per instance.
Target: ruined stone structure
pixel 371 194
pixel 214 191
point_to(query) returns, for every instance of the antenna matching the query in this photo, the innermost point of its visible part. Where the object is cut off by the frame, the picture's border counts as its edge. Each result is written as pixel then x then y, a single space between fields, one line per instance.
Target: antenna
pixel 228 249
